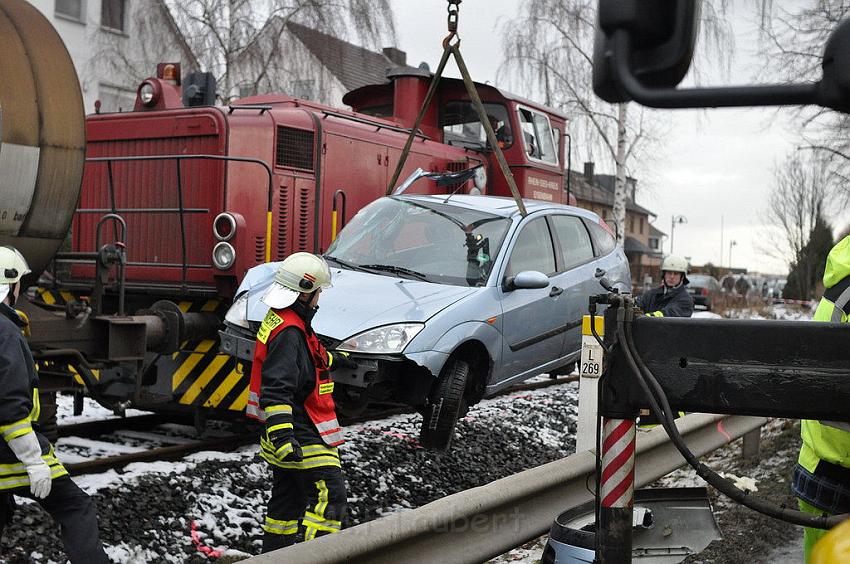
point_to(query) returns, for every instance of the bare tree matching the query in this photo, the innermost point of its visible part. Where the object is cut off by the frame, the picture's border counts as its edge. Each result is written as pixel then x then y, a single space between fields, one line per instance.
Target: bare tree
pixel 796 207
pixel 550 46
pixel 246 44
pixel 231 36
pixel 792 41
pixel 128 49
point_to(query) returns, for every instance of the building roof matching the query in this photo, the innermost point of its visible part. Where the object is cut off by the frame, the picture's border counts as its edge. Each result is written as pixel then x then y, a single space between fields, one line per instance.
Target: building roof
pixel 632 245
pixel 353 65
pixel 655 232
pixel 191 61
pixel 601 191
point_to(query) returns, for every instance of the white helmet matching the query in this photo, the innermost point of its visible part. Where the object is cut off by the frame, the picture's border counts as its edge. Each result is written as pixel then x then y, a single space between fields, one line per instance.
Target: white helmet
pixel 675 263
pixel 13 265
pixel 298 273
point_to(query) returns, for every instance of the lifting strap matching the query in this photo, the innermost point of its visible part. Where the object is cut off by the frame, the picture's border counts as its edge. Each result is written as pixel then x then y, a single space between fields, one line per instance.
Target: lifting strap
pixel 453 49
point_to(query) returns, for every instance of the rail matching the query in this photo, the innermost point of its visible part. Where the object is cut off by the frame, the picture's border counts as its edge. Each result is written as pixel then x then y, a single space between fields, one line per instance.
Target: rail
pixel 483 522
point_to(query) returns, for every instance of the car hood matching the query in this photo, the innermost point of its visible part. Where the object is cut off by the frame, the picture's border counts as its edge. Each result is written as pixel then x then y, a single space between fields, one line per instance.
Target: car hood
pixel 359 301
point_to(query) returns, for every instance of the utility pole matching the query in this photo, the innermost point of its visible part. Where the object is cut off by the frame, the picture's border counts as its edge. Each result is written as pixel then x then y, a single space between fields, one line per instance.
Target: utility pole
pixel 732 243
pixel 721 241
pixel 680 219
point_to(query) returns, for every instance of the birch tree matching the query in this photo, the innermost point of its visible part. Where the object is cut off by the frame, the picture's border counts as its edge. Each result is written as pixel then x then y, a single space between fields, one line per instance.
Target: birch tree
pixel 550 47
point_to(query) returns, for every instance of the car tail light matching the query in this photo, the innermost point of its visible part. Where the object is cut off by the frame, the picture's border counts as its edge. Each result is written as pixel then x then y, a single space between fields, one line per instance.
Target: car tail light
pixel 703 291
pixel 224 227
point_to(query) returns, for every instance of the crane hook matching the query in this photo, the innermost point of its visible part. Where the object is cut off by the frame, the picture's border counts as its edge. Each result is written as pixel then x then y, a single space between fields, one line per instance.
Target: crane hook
pixel 452 8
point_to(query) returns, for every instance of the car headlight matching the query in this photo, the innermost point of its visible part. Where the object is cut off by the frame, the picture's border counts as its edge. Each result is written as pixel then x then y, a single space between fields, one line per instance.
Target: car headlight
pixel 382 340
pixel 223 255
pixel 238 312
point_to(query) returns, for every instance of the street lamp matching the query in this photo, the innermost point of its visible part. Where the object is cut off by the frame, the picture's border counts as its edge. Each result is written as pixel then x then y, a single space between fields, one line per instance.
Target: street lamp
pixel 732 243
pixel 680 219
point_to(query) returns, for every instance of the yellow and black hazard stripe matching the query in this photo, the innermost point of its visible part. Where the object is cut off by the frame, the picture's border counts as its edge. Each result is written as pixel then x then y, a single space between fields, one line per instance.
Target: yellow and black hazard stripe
pixel 53 297
pixel 203 378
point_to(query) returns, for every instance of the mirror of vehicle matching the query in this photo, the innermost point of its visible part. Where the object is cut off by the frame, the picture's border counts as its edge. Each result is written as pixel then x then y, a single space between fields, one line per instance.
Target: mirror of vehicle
pixel 529 280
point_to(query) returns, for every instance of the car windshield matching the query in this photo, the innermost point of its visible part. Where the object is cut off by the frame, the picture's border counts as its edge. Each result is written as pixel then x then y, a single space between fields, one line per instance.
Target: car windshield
pixel 429 241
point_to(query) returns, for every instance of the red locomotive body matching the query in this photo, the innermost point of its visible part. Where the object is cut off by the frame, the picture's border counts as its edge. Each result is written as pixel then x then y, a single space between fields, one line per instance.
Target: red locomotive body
pixel 206 192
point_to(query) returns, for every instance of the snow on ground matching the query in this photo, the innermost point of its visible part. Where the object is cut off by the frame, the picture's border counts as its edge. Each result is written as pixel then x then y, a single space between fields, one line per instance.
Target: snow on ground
pixel 148 511
pixel 92 411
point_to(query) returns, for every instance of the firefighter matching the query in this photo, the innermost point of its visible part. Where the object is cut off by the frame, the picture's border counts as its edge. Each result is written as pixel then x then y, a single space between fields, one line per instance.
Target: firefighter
pixel 28 465
pixel 671 299
pixel 291 391
pixel 821 479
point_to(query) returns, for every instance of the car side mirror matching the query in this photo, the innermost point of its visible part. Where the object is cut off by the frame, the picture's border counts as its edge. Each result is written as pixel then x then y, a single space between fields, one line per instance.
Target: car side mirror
pixel 526 280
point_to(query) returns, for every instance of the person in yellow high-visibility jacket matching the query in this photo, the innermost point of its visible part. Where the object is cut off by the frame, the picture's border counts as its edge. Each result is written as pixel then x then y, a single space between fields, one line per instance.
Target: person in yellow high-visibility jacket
pixel 821 478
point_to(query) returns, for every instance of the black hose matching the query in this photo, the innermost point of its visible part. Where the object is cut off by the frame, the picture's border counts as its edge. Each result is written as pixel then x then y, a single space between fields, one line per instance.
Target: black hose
pixel 765 507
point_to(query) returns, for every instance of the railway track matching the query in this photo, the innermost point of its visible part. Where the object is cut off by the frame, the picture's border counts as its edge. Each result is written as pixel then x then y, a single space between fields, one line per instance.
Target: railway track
pixel 98 446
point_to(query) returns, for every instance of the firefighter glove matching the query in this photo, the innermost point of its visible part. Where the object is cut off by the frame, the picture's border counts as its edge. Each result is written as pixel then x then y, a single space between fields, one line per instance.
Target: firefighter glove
pixel 286 448
pixel 340 359
pixel 28 451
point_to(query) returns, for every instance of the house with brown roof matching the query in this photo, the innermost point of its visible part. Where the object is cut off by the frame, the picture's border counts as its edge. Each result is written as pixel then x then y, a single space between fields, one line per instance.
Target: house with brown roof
pixel 317 66
pixel 642 243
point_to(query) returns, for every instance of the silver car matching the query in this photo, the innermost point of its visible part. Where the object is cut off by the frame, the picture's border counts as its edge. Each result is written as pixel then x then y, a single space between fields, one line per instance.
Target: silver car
pixel 445 300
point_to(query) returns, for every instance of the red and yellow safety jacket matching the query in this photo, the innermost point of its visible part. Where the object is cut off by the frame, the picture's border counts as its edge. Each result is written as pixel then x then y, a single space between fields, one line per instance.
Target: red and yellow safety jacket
pixel 290 385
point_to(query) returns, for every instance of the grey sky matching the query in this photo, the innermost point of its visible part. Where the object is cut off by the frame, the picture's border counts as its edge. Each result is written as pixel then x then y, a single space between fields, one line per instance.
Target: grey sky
pixel 717 162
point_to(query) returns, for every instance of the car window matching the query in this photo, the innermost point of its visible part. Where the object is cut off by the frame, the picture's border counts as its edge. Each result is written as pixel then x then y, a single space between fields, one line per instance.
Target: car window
pixel 533 249
pixel 603 240
pixel 440 242
pixel 462 126
pixel 573 239
pixel 537 136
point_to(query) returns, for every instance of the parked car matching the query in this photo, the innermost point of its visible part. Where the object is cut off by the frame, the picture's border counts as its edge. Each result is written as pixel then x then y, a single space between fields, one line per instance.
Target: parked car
pixel 775 289
pixel 445 300
pixel 704 289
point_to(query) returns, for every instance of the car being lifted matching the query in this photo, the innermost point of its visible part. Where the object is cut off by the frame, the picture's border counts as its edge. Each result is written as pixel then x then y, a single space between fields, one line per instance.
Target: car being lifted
pixel 445 299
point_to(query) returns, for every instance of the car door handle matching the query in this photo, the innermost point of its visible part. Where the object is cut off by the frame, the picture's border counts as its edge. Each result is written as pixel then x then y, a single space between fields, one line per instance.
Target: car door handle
pixel 555 291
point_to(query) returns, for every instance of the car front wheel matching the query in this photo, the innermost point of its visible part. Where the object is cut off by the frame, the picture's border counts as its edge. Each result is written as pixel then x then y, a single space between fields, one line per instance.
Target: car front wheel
pixel 441 413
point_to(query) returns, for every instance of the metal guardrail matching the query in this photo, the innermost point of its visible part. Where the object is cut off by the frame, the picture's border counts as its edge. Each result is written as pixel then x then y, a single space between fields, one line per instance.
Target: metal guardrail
pixel 483 522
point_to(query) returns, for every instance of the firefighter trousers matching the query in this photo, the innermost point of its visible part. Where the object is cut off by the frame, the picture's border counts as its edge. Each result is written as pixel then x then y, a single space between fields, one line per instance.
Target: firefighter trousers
pixel 305 504
pixel 73 509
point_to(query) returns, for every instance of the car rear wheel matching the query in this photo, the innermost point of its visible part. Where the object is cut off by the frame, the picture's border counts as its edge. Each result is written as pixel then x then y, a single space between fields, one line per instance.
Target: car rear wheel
pixel 441 413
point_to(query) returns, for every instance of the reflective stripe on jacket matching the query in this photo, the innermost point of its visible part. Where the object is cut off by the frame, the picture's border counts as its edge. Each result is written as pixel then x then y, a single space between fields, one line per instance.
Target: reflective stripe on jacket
pixel 827 440
pixel 319 404
pixel 19 404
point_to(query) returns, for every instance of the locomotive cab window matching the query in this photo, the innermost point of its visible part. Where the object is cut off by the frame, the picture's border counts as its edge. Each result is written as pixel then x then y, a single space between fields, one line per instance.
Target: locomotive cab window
pixel 537 136
pixel 462 127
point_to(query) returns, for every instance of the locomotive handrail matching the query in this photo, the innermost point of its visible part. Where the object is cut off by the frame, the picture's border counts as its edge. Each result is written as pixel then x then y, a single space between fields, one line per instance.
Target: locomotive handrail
pixel 338 195
pixel 377 124
pixel 263 108
pixel 181 209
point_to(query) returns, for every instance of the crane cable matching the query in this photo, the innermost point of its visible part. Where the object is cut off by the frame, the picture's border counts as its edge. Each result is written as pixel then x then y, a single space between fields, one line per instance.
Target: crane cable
pixel 451 46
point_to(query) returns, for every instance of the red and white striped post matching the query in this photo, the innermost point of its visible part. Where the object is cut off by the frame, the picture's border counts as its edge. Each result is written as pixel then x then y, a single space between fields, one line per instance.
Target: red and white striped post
pixel 616 491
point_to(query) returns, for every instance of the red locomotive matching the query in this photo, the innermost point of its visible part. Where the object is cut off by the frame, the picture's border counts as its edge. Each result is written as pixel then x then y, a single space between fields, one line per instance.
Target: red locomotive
pixel 179 200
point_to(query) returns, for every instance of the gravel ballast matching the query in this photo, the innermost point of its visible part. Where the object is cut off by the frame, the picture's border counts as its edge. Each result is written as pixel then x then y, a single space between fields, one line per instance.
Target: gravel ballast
pixel 147 510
